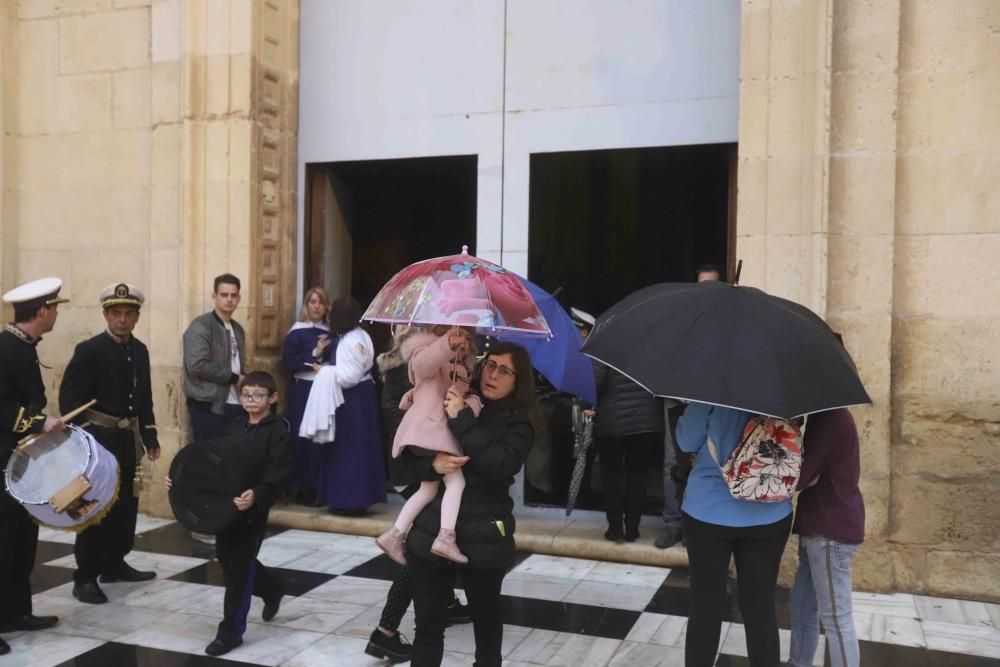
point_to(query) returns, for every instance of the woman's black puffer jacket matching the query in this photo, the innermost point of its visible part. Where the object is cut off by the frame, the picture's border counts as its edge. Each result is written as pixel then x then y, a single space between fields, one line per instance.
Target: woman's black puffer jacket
pixel 623 407
pixel 497 445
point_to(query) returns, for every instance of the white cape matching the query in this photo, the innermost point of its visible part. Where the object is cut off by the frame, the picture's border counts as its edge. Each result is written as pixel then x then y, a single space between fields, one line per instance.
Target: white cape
pixel 355 355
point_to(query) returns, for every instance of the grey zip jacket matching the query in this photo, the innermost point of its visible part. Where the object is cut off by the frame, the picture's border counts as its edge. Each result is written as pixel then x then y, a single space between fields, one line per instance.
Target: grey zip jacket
pixel 207 369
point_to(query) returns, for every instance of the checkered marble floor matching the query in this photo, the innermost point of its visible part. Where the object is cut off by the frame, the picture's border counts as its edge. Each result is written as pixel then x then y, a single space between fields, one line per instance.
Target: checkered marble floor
pixel 557 611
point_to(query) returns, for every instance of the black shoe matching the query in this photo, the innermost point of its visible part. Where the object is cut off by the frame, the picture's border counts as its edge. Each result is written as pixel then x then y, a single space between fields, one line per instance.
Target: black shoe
pixel 271 608
pixel 219 647
pixel 89 592
pixel 393 649
pixel 614 533
pixel 4 647
pixel 127 573
pixel 458 613
pixel 31 623
pixel 668 537
pixel 631 528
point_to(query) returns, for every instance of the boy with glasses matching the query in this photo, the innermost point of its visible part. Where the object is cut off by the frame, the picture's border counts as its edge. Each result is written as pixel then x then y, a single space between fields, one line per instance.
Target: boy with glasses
pixel 268 462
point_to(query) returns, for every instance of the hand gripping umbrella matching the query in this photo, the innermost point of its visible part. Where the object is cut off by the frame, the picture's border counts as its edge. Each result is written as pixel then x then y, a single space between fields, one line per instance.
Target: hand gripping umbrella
pixel 460 290
pixel 727 345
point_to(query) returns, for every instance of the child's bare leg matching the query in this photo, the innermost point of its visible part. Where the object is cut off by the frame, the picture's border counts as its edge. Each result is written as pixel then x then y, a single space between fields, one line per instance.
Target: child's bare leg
pixel 418 501
pixel 454 486
pixel 392 540
pixel 444 545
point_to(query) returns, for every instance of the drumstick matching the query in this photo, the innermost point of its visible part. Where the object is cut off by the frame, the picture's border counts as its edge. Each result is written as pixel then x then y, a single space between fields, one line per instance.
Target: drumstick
pixel 28 439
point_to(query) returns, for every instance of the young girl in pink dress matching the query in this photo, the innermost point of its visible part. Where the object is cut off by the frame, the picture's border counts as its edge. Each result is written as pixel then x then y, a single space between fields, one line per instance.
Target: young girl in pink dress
pixel 438 360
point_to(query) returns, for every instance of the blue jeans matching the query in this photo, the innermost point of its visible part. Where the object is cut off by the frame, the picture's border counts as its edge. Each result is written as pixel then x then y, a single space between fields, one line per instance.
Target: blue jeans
pixel 822 593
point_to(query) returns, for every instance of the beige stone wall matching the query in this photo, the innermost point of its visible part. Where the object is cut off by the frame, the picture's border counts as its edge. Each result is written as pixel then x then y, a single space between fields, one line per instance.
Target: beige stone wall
pixel 140 145
pixel 868 169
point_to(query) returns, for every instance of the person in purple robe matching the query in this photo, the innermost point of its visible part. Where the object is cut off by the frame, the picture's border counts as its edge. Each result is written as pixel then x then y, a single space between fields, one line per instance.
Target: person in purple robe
pixel 352 470
pixel 306 345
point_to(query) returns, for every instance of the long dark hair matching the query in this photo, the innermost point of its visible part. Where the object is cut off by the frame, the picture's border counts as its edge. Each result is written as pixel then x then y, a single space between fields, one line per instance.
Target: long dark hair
pixel 523 399
pixel 345 315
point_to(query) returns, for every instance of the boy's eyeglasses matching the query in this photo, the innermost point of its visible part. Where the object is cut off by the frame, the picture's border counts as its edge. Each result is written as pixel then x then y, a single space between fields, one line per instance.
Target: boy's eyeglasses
pixel 494 367
pixel 254 395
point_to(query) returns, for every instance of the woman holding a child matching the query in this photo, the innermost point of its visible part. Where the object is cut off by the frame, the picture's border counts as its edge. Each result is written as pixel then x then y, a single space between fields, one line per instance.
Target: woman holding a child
pixel 494 445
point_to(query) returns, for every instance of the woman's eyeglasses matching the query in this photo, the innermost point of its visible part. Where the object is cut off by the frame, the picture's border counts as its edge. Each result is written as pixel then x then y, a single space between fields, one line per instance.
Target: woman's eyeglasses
pixel 254 395
pixel 494 367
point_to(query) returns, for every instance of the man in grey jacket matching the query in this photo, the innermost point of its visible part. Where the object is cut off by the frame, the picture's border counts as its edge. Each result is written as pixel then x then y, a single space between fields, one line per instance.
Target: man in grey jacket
pixel 214 362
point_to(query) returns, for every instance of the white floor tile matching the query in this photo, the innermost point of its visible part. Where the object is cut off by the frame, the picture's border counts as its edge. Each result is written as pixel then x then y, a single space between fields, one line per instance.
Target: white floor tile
pixel 896 630
pixel 109 622
pixel 334 650
pixel 165 565
pixel 628 574
pixel 630 654
pixel 615 596
pixel 956 638
pixel 895 604
pixel 171 596
pixel 660 629
pixel 545 647
pixel 539 587
pixel 355 590
pixel 947 610
pixel 557 566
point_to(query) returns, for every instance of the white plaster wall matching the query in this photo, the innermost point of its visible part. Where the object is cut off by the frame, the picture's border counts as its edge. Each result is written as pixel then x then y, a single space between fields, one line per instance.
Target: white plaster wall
pixel 411 78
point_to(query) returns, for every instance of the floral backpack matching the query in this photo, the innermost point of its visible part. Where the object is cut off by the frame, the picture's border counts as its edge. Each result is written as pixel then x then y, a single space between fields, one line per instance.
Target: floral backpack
pixel 765 466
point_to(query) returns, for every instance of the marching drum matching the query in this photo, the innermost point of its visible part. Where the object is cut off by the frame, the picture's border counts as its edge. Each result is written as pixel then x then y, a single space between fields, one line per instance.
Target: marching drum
pixel 65 479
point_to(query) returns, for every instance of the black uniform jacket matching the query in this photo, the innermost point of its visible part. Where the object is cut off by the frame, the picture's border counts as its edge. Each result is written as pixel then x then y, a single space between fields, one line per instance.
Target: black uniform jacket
pixel 117 375
pixel 497 444
pixel 266 458
pixel 22 395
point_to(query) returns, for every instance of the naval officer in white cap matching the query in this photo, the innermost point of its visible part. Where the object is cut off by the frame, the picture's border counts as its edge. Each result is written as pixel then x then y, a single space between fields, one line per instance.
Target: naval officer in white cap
pixel 113 367
pixel 22 400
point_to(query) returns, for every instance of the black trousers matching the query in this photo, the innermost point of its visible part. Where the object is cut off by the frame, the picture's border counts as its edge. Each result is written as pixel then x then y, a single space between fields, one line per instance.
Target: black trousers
pixel 18 541
pixel 101 549
pixel 400 596
pixel 245 576
pixel 624 468
pixel 433 592
pixel 757 551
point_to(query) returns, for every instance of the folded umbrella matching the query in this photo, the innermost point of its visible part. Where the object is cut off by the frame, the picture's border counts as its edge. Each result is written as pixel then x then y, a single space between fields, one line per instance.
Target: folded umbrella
pixel 559 358
pixel 727 345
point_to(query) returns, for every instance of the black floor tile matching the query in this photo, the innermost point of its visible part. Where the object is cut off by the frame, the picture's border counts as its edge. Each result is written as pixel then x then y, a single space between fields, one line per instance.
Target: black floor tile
pixel 173 539
pixel 47 577
pixel 568 617
pixel 297 582
pixel 674 597
pixel 47 551
pixel 381 567
pixel 113 654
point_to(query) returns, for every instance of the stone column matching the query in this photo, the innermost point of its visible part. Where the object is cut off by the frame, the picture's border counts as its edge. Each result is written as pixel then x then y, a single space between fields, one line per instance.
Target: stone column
pixel 860 241
pixel 817 105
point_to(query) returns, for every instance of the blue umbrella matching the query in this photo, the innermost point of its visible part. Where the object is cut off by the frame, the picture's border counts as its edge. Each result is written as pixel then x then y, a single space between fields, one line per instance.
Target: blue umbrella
pixel 559 358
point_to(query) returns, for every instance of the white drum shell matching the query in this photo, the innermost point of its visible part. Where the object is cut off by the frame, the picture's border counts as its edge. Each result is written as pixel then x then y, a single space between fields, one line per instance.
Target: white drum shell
pixel 101 472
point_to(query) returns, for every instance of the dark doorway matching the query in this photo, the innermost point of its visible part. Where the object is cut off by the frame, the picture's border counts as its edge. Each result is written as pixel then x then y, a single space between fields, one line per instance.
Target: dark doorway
pixel 606 223
pixel 366 220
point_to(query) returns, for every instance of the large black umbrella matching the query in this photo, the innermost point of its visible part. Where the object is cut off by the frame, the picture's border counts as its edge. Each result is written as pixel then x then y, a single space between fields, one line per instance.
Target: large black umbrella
pixel 726 345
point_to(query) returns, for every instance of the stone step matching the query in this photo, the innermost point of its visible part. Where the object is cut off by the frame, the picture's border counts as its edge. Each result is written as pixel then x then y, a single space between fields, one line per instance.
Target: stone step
pixel 577 537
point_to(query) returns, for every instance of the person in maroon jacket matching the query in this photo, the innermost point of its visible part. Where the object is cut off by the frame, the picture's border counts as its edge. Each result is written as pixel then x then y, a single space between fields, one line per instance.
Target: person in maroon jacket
pixel 830 521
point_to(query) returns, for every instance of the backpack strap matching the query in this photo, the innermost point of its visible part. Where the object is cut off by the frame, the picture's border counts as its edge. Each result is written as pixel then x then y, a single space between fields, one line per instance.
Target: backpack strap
pixel 714 451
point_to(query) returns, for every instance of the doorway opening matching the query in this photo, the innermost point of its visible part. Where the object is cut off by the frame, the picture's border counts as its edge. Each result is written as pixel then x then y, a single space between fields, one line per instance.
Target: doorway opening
pixel 604 224
pixel 366 220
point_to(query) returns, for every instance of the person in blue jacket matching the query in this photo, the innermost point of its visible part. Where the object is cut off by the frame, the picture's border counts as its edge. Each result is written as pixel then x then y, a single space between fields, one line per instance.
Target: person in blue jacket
pixel 718 526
